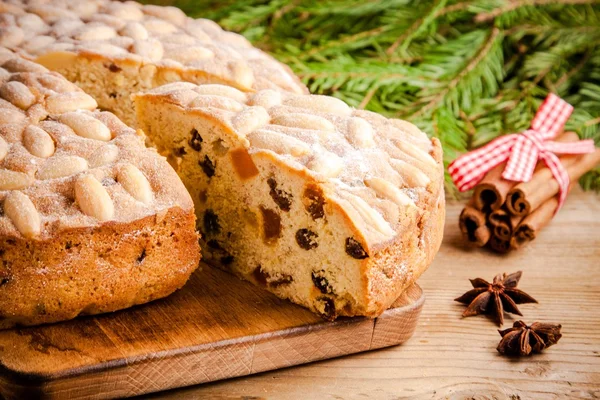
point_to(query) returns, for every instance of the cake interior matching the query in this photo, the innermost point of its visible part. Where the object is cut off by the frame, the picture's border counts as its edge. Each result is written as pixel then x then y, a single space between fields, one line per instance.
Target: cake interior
pixel 112 82
pixel 258 218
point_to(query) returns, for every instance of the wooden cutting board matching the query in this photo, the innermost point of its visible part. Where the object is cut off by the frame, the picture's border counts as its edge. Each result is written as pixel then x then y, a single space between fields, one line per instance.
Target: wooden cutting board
pixel 216 327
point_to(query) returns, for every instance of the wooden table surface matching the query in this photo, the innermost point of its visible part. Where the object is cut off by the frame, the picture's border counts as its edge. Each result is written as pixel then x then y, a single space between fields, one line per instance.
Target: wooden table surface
pixel 450 357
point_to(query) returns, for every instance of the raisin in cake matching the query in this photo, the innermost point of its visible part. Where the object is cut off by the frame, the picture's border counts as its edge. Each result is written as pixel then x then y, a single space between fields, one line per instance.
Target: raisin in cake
pixel 90 220
pixel 112 49
pixel 336 209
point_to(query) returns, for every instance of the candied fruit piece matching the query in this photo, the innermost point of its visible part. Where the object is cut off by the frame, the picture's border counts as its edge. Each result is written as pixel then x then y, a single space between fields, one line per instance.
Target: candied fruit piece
pixel 243 164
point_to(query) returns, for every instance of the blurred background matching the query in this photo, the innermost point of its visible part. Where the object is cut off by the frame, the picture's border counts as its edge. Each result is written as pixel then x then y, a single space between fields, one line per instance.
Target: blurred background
pixel 463 71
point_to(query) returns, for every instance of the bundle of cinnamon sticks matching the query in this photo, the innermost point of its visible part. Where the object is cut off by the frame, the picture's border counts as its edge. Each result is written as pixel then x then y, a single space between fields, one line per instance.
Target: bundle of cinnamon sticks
pixel 506 215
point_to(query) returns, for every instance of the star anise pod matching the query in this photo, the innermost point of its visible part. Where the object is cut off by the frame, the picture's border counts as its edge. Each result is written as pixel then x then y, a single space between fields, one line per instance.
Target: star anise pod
pixel 496 297
pixel 522 340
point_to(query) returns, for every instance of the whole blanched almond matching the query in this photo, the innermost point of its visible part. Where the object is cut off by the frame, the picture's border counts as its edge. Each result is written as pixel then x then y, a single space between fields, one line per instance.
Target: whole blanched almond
pixel 59 167
pixel 23 214
pixel 250 119
pixel 386 189
pixel 413 176
pixel 93 199
pixel 242 73
pixel 279 143
pixel 319 103
pixel 95 32
pixel 306 121
pixel 65 102
pixel 370 215
pixel 360 133
pixel 327 164
pixel 134 182
pixel 223 103
pixel 416 152
pixel 14 180
pixel 18 94
pixel 266 98
pixel 86 126
pixel 3 148
pixel 134 30
pixel 38 142
pixel 104 155
pixel 149 48
pixel 221 90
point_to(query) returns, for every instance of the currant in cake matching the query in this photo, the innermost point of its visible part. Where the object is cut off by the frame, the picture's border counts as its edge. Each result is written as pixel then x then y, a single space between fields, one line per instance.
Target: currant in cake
pixel 112 49
pixel 90 220
pixel 336 209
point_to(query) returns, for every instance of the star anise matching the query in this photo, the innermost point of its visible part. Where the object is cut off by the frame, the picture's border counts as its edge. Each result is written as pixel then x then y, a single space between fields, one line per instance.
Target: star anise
pixel 522 340
pixel 496 297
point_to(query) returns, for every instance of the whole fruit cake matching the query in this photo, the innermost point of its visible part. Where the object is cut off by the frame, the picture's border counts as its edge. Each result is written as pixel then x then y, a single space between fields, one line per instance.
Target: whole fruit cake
pixel 90 220
pixel 336 209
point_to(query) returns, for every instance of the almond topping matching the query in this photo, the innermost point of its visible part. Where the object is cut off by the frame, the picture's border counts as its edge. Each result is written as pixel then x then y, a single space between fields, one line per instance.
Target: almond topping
pixel 104 155
pixel 327 164
pixel 387 190
pixel 3 148
pixel 61 166
pixel 86 126
pixel 250 119
pixel 306 121
pixel 13 180
pixel 360 133
pixel 413 176
pixel 38 142
pixel 278 142
pixel 319 103
pixel 18 94
pixel 65 102
pixel 221 90
pixel 134 182
pixel 93 199
pixel 23 214
pixel 266 98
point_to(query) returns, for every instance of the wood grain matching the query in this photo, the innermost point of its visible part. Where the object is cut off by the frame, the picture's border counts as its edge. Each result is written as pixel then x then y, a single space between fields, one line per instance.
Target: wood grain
pixel 217 327
pixel 454 358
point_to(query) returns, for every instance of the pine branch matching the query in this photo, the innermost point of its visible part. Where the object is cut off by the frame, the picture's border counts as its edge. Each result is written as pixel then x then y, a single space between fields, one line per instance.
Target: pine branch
pixel 465 71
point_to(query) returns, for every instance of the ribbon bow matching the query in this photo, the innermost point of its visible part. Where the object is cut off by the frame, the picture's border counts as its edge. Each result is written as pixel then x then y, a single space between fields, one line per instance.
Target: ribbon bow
pixel 523 150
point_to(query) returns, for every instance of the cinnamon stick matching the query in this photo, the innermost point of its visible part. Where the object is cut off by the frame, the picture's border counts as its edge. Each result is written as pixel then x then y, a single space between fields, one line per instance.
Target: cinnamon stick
pixel 503 223
pixel 528 196
pixel 472 223
pixel 533 223
pixel 499 245
pixel 490 194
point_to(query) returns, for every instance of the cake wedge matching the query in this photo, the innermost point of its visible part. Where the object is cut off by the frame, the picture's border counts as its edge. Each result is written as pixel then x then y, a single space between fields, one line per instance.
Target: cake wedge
pixel 336 209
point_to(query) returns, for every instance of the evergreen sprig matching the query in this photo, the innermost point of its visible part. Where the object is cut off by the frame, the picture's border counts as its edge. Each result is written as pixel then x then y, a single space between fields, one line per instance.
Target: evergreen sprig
pixel 464 71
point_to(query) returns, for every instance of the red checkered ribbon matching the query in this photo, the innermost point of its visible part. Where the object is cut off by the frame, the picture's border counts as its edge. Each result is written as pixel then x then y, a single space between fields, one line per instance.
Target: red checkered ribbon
pixel 523 150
